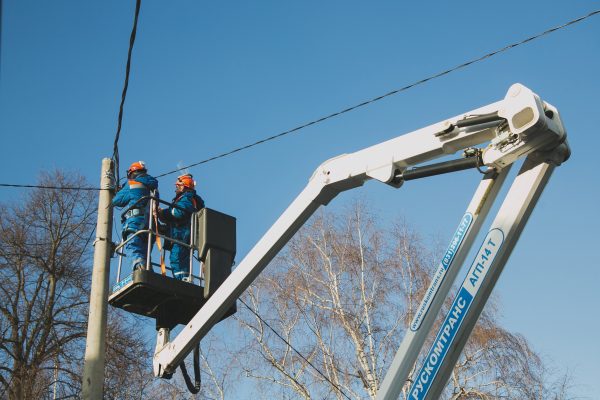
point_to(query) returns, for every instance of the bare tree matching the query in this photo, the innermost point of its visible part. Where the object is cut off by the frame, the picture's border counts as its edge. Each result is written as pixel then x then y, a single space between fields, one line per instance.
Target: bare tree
pixel 45 268
pixel 342 296
pixel 217 369
pixel 128 371
pixel 218 362
pixel 43 279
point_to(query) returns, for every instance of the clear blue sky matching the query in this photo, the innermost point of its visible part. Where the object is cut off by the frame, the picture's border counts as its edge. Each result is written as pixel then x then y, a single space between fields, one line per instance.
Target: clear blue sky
pixel 210 76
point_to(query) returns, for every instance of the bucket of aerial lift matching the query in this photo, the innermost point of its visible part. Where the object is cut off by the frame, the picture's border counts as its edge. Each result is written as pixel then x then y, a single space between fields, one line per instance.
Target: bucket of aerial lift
pixel 214 239
pixel 169 301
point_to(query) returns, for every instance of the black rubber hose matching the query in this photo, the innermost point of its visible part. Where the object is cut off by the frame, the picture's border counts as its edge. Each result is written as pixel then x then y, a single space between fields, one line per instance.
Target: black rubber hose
pixel 197 366
pixel 188 382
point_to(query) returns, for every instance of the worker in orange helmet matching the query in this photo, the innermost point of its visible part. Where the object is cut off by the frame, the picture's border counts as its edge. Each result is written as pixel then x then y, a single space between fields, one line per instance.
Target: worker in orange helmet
pixel 139 184
pixel 178 218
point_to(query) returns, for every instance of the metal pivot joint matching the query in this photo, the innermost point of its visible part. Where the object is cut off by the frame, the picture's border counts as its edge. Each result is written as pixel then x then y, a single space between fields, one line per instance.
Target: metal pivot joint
pixel 520 126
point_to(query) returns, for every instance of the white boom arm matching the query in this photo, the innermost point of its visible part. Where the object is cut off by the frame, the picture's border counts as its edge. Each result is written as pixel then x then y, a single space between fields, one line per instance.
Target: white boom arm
pixel 485 269
pixel 440 285
pixel 514 127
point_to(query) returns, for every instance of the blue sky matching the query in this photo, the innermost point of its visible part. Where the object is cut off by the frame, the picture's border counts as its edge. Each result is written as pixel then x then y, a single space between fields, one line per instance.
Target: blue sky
pixel 211 76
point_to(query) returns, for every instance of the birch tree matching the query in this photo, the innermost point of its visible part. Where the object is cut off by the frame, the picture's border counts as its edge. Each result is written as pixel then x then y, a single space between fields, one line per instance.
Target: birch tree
pixel 340 298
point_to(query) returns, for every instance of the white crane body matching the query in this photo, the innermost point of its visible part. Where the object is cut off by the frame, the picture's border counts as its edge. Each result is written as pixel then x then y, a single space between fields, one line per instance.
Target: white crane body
pixel 519 126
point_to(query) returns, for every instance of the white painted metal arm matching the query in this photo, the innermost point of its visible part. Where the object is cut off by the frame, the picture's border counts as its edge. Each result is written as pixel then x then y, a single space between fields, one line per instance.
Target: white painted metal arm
pixel 441 282
pixel 482 276
pixel 525 127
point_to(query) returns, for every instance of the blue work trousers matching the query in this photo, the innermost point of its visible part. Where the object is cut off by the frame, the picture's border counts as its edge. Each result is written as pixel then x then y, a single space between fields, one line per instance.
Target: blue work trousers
pixel 180 261
pixel 180 255
pixel 137 248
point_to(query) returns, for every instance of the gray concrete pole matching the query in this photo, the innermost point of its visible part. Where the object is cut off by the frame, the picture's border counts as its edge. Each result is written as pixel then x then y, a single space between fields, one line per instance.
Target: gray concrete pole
pixel 93 367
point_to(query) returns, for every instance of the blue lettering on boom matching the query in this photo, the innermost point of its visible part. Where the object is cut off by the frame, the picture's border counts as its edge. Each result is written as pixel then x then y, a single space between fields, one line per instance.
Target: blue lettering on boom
pixel 457 239
pixel 435 358
pixel 442 342
pixel 438 277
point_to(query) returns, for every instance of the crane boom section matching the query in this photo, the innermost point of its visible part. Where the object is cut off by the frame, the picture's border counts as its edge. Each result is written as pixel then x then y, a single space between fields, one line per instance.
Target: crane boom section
pixel 509 129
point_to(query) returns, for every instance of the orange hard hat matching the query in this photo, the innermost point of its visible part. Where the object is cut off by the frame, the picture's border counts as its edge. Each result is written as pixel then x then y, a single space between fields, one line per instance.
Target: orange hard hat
pixel 186 180
pixel 136 166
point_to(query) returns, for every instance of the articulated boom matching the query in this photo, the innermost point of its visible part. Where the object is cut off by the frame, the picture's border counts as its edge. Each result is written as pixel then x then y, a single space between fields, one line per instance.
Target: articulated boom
pixel 494 136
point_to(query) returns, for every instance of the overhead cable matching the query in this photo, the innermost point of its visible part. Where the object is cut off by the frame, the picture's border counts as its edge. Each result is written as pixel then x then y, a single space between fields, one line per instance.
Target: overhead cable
pixel 1 8
pixel 296 351
pixel 124 93
pixel 50 187
pixel 375 99
pixel 463 65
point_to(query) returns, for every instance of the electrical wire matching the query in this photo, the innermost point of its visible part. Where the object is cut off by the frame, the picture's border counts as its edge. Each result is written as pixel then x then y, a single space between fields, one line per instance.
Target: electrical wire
pixel 273 137
pixel 396 91
pixel 115 156
pixel 51 187
pixel 296 351
pixel 1 8
pixel 448 71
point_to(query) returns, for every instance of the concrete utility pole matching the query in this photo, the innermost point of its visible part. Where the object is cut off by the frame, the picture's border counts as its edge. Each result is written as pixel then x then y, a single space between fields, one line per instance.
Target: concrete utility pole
pixel 93 368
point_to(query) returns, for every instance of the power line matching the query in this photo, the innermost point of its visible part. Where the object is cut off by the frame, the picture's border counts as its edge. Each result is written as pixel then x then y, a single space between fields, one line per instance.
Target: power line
pixel 50 187
pixel 463 65
pixel 1 19
pixel 119 119
pixel 125 86
pixel 396 91
pixel 296 351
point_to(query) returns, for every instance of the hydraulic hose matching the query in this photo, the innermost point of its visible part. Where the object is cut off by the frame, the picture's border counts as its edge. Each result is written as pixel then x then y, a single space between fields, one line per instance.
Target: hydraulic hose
pixel 188 382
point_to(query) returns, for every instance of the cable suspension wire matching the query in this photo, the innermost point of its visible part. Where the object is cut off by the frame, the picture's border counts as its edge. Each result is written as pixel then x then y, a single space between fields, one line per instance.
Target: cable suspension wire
pixel 393 92
pixel 50 187
pixel 463 65
pixel 296 351
pixel 115 156
pixel 1 28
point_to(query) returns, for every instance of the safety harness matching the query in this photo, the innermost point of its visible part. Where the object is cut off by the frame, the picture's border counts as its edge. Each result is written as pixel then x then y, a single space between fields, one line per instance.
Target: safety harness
pixel 134 212
pixel 163 267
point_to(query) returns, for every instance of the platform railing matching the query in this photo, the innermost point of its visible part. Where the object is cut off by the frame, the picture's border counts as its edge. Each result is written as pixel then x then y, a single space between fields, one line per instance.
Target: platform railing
pixel 153 232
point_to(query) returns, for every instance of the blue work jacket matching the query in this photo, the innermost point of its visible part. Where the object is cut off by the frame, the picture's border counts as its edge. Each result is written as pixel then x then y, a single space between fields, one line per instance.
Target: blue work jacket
pixel 133 190
pixel 179 219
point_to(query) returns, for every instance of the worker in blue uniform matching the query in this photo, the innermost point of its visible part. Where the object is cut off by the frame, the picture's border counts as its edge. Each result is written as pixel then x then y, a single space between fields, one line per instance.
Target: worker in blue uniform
pixel 139 184
pixel 178 219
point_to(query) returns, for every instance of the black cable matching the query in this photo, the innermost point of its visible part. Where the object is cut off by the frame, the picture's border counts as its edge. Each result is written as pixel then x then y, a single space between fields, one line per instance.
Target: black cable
pixel 307 124
pixel 188 382
pixel 373 100
pixel 50 187
pixel 1 25
pixel 125 86
pixel 296 351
